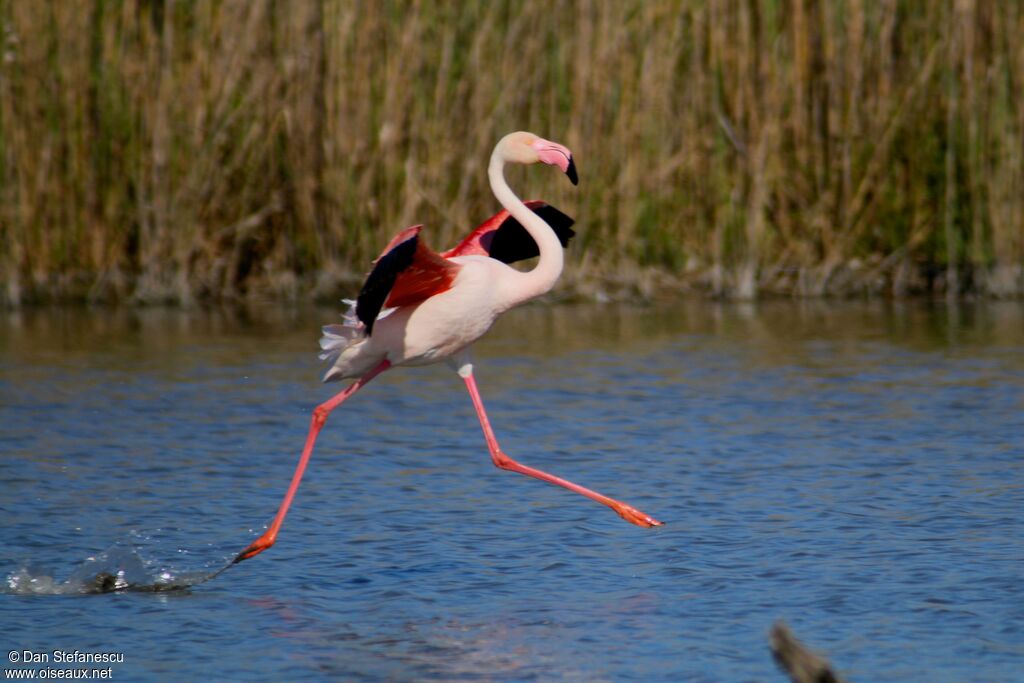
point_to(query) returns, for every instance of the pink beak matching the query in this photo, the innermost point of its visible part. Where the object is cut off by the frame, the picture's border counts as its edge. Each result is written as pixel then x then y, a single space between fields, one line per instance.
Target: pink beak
pixel 557 155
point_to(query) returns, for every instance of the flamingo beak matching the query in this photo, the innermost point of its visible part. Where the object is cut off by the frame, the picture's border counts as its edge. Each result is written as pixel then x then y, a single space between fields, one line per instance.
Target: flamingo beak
pixel 557 155
pixel 571 172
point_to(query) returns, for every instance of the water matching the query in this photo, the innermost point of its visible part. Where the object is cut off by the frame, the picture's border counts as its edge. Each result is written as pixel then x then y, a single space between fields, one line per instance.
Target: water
pixel 855 469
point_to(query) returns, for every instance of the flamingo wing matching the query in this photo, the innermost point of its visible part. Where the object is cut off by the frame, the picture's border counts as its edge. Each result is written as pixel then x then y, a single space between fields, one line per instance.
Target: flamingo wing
pixel 407 272
pixel 504 238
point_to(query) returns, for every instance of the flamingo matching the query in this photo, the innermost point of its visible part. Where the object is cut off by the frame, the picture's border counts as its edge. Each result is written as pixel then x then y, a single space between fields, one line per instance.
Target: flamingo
pixel 418 307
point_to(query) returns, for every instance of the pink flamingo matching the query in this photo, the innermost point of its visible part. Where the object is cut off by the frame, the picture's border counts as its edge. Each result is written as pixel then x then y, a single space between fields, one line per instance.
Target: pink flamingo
pixel 436 305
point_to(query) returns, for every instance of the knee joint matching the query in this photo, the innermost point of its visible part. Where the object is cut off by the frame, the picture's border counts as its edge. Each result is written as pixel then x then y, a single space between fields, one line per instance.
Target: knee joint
pixel 502 461
pixel 320 415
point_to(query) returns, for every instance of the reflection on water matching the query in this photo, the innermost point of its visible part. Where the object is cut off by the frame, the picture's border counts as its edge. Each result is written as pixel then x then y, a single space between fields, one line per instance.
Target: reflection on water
pixel 774 330
pixel 854 468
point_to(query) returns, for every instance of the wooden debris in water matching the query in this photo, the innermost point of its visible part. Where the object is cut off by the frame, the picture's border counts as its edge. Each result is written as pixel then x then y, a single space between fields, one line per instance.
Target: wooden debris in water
pixel 105 582
pixel 793 657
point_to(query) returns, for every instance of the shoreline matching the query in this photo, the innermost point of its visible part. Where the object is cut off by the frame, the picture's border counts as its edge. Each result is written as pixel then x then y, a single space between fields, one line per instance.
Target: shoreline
pixel 588 283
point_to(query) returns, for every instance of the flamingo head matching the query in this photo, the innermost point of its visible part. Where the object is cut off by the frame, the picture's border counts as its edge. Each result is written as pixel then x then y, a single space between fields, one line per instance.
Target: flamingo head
pixel 527 148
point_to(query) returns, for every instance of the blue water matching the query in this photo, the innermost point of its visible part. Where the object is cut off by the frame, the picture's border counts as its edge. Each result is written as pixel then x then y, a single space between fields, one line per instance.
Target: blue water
pixel 856 469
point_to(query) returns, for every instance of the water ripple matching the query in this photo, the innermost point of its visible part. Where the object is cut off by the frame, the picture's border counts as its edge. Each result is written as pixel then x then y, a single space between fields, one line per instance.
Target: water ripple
pixel 855 469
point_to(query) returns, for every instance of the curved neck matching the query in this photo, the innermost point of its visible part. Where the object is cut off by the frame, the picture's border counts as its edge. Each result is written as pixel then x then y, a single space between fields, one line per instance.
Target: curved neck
pixel 544 275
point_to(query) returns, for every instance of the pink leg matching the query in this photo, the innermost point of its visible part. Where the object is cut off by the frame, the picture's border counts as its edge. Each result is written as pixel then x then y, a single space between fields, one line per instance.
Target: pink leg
pixel 320 414
pixel 627 512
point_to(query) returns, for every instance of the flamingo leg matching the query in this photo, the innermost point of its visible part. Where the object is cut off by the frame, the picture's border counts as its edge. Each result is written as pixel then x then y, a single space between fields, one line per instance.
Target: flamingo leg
pixel 503 461
pixel 320 414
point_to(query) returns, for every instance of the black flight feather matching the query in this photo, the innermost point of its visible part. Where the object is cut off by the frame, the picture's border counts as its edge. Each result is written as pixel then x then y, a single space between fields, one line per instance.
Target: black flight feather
pixel 511 243
pixel 381 279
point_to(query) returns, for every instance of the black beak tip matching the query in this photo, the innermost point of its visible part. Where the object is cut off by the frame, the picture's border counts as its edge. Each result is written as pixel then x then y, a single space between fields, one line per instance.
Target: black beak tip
pixel 571 172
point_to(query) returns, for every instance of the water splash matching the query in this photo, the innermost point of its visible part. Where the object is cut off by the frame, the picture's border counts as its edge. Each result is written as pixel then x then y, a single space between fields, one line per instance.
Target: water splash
pixel 129 565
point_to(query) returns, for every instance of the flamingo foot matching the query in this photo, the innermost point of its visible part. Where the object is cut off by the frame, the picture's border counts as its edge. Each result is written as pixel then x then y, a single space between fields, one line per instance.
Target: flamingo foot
pixel 634 516
pixel 256 547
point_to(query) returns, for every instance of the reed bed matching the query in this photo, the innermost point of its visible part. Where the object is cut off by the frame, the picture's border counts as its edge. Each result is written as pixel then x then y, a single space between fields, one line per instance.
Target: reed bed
pixel 173 151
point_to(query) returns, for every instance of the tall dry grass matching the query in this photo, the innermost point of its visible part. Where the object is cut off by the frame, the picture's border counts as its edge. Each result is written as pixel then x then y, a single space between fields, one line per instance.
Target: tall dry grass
pixel 172 150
